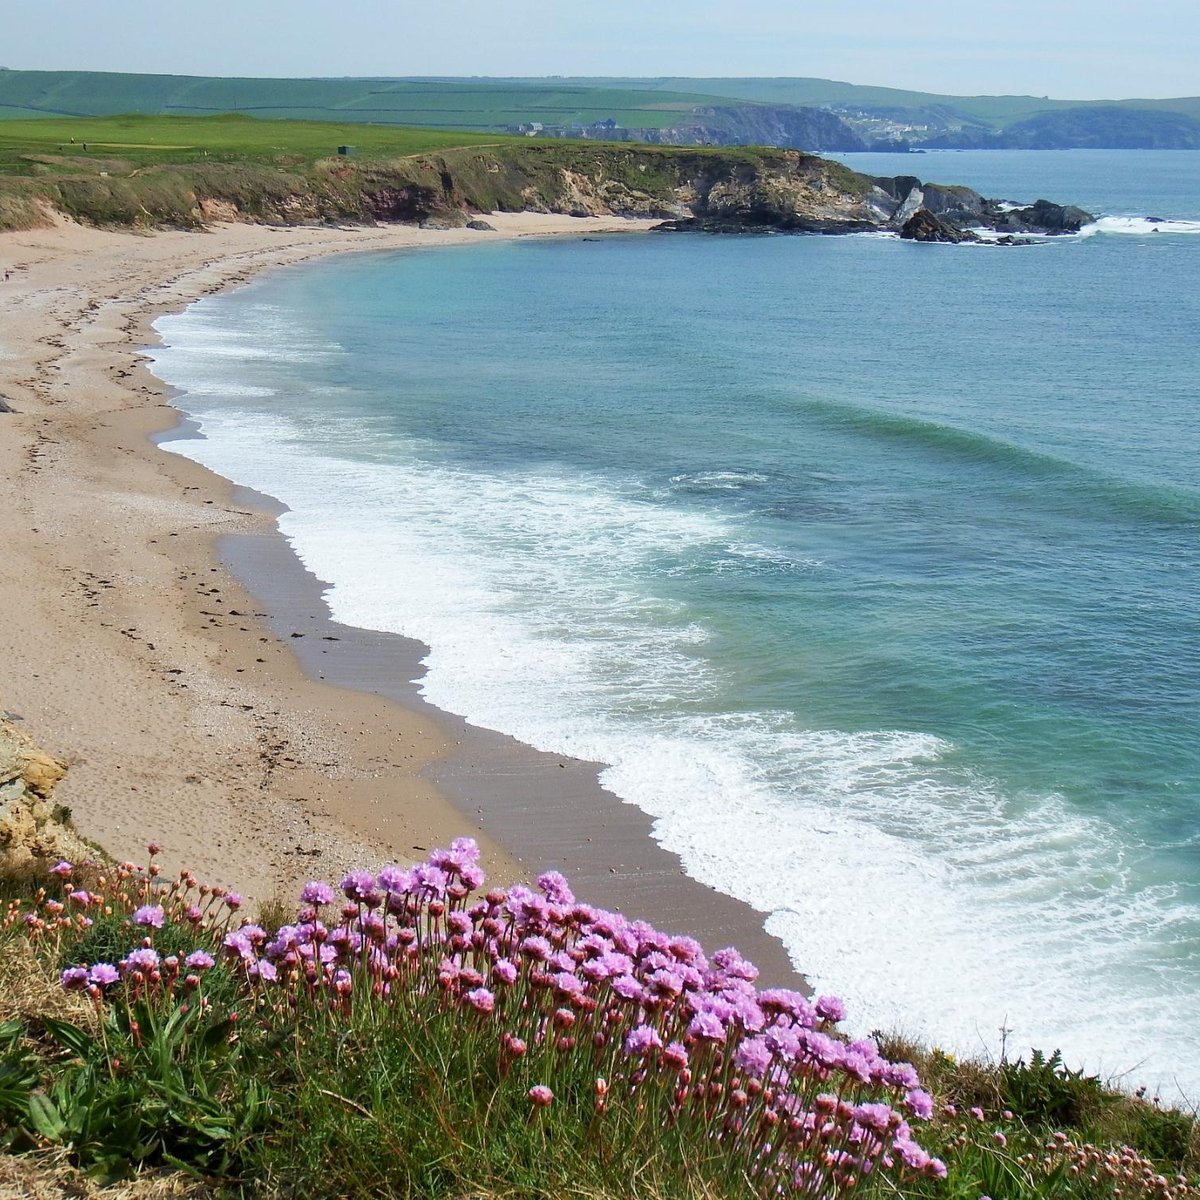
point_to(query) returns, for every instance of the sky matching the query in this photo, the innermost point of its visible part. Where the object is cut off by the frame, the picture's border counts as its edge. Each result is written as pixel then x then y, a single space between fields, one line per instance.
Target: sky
pixel 1069 49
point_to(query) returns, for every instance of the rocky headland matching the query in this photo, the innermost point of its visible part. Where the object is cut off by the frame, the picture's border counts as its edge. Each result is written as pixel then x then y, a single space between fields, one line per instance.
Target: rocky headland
pixel 716 190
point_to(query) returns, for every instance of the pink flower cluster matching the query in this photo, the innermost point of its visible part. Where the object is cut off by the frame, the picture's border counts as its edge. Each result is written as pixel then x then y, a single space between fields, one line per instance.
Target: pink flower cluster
pixel 561 993
pixel 572 989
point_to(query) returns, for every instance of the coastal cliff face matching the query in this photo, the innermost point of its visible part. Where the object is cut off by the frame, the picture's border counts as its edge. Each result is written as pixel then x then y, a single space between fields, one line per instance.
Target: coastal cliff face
pixel 33 829
pixel 734 191
pixel 785 125
pixel 700 188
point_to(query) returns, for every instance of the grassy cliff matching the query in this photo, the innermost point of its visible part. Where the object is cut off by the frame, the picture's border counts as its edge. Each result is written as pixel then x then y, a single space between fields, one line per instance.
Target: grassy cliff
pixel 183 171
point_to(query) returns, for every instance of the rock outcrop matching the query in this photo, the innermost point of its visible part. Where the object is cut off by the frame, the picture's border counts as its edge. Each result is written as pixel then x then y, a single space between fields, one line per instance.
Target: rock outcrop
pixel 923 226
pixel 1043 216
pixel 34 831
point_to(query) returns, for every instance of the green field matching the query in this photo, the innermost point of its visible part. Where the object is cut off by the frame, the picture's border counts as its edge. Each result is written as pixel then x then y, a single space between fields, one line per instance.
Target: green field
pixel 73 144
pixel 454 104
pixel 997 111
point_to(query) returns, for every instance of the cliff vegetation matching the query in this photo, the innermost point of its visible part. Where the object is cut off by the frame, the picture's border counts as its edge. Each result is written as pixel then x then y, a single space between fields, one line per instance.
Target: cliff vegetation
pixel 184 172
pixel 408 1033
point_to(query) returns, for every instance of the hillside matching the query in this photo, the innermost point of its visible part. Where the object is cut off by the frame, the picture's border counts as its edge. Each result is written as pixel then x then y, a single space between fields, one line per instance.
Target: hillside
pixel 811 114
pixel 1086 127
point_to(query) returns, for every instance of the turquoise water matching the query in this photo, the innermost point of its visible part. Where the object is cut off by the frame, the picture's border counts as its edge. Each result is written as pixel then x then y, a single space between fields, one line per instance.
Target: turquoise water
pixel 871 569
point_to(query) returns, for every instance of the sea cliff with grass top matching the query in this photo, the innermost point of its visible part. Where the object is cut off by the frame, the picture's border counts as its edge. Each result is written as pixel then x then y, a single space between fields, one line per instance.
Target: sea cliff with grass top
pixel 182 172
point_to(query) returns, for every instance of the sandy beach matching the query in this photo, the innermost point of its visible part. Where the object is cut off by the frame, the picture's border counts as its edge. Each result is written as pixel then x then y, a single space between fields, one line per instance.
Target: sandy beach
pixel 161 637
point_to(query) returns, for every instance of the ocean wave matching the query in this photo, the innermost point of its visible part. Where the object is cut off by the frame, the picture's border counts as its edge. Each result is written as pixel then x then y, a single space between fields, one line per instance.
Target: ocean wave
pixel 1158 503
pixel 718 481
pixel 1138 226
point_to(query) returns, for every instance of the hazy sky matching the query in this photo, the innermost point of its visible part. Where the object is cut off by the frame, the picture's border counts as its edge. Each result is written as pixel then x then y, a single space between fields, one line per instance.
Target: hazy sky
pixel 1062 48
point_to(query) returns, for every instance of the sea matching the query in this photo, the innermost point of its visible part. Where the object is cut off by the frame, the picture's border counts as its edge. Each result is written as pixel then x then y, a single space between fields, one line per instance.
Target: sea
pixel 870 569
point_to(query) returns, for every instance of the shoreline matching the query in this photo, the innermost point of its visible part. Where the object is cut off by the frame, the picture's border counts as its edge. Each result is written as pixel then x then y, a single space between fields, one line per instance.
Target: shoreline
pixel 258 758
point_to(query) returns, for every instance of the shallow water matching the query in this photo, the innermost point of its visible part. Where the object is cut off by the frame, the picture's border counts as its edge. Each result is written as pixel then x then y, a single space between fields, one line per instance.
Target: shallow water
pixel 871 569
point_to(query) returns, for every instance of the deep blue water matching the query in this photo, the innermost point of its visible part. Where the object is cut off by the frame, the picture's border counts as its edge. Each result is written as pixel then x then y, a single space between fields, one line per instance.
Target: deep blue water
pixel 872 569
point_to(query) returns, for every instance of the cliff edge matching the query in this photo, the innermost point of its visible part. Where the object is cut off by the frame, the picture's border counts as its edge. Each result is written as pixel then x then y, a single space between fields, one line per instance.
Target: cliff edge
pixel 34 831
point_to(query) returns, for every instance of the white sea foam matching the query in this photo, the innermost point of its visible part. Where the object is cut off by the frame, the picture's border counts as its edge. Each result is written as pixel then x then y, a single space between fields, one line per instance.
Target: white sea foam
pixel 932 901
pixel 721 481
pixel 1138 227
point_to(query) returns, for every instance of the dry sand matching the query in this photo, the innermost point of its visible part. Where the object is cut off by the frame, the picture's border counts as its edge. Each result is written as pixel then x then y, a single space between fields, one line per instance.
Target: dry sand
pixel 131 645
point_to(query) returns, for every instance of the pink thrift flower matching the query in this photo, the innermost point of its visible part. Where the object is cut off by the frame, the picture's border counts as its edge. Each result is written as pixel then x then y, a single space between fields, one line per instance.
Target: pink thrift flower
pixel 538 948
pixel 706 1026
pixel 103 974
pixel 141 960
pixel 642 1040
pixel 541 1095
pixel 466 848
pixel 199 960
pixel 831 1009
pixel 753 1057
pixel 676 1055
pixel 318 894
pixel 396 881
pixel 481 1000
pixel 555 888
pixel 62 869
pixel 74 979
pixel 359 886
pixel 150 916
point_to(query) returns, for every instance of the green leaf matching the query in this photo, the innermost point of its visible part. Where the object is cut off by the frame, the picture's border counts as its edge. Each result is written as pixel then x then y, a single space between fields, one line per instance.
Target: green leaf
pixel 11 1032
pixel 216 1038
pixel 45 1117
pixel 70 1037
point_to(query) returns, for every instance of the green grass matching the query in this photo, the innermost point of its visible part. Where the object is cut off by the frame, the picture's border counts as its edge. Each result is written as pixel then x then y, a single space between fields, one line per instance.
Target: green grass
pixel 139 141
pixel 997 111
pixel 452 104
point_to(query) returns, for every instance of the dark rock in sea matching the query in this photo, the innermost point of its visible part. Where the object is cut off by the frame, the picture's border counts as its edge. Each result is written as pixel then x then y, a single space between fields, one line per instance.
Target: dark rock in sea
pixel 1044 216
pixel 482 225
pixel 761 223
pixel 923 226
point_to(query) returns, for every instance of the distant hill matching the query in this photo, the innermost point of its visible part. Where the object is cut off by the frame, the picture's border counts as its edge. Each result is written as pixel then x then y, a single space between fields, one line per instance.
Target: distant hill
pixel 1122 128
pixel 996 111
pixel 811 114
